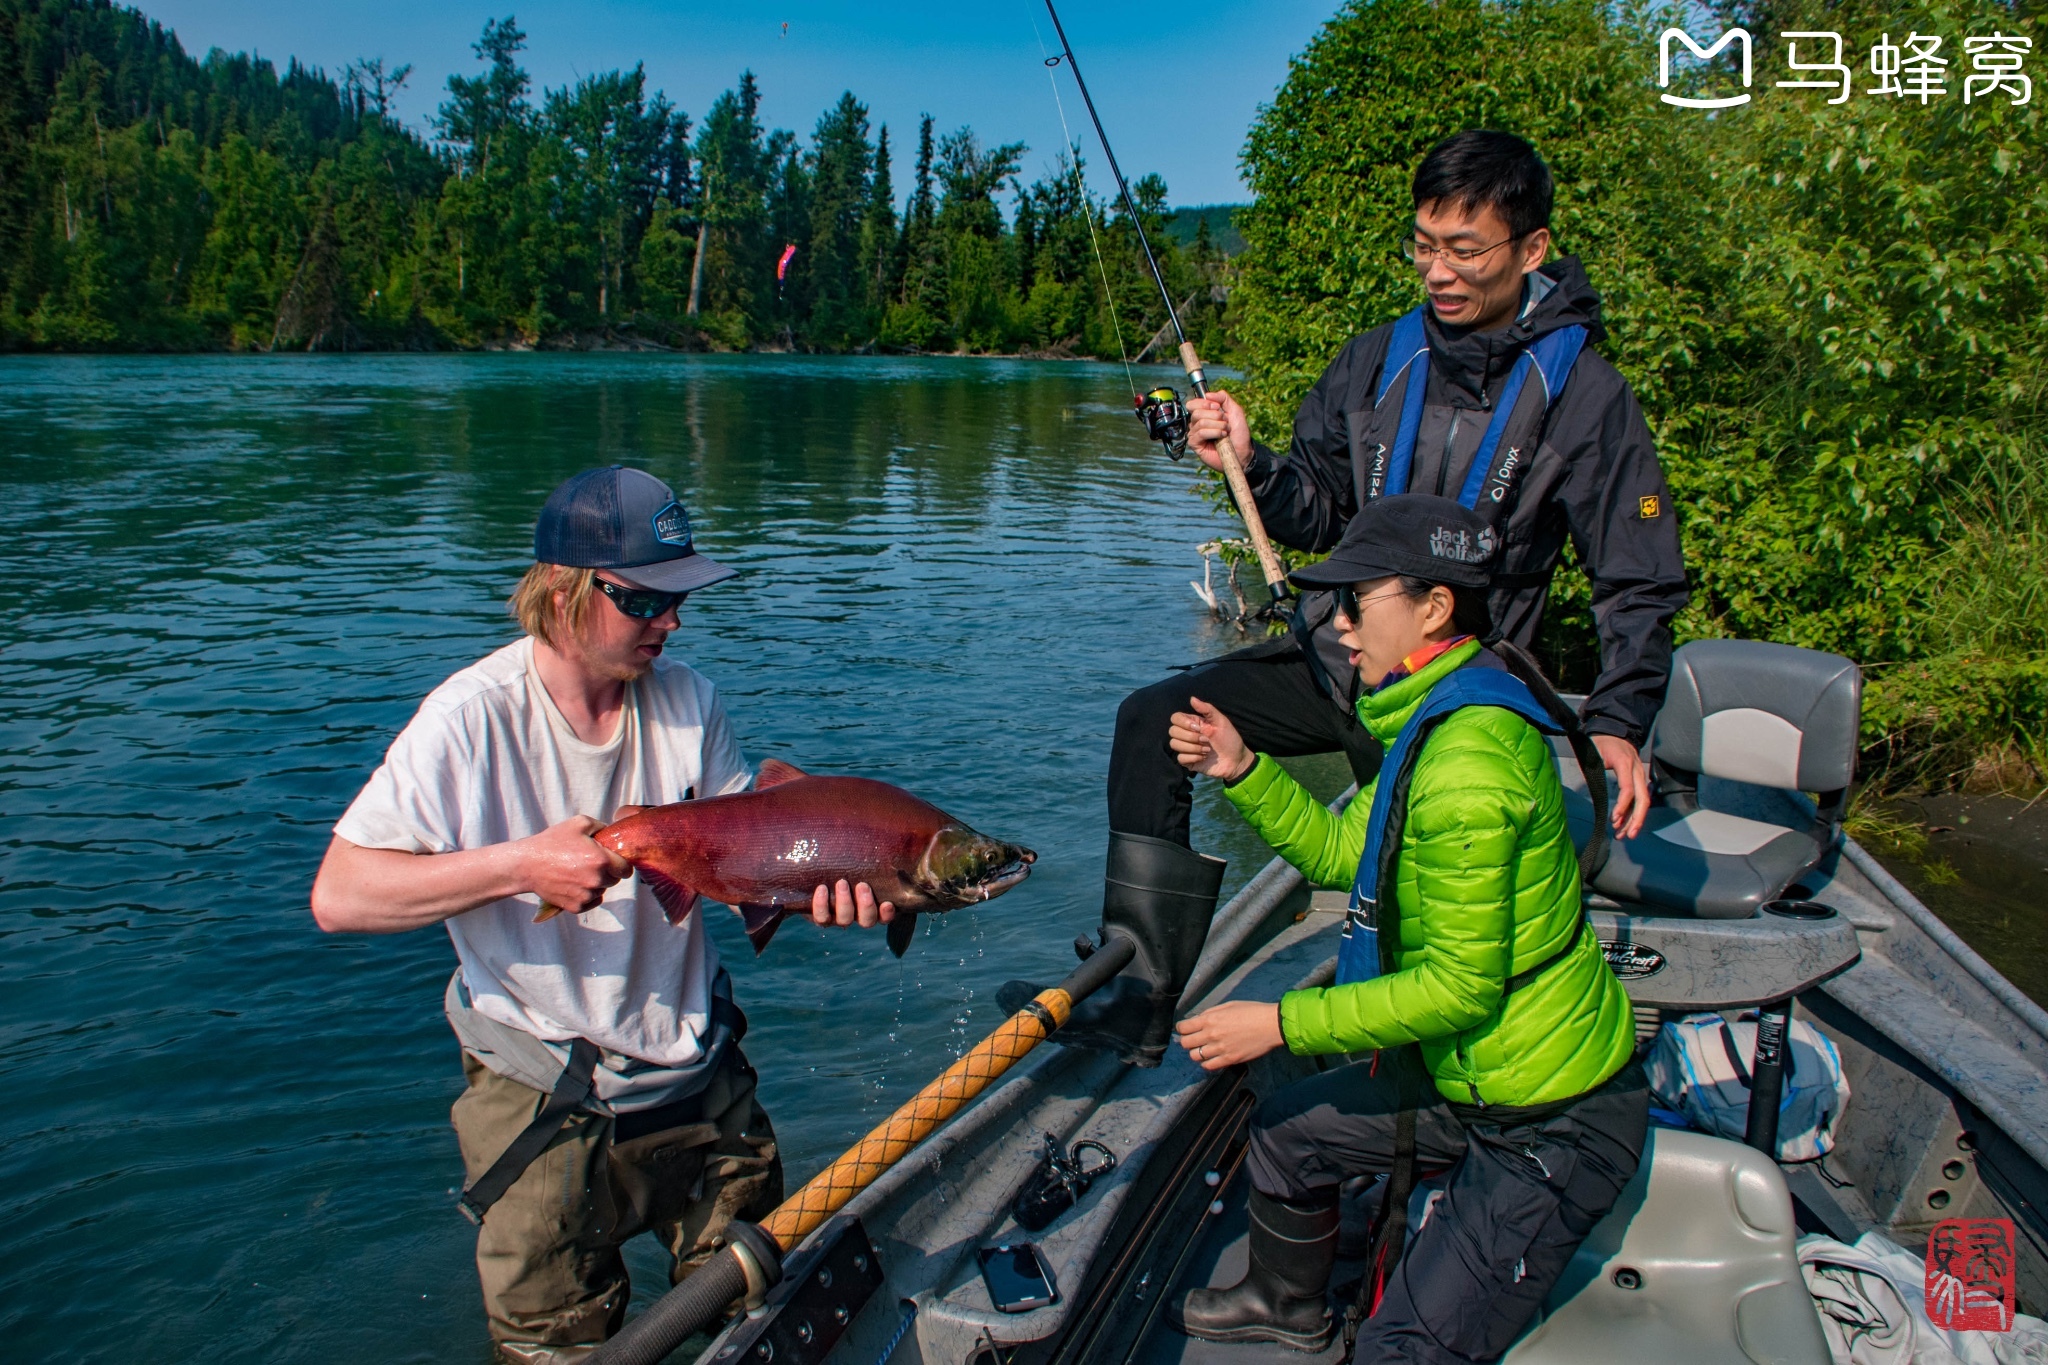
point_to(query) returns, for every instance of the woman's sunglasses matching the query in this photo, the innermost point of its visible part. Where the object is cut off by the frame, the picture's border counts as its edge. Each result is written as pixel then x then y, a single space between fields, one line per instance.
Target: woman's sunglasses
pixel 1349 602
pixel 642 604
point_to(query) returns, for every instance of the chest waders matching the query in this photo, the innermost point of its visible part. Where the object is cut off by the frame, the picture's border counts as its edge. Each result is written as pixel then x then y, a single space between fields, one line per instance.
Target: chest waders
pixel 1364 951
pixel 1383 460
pixel 573 1086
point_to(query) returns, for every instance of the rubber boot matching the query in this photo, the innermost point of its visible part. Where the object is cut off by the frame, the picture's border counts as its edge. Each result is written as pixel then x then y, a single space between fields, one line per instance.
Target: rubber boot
pixel 1161 896
pixel 1282 1297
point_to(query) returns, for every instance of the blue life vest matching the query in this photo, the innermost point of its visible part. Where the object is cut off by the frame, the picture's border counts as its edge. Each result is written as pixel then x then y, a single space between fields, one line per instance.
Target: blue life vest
pixel 1359 956
pixel 1489 484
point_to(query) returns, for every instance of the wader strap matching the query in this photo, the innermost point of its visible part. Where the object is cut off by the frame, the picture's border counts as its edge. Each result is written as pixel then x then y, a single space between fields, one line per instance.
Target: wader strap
pixel 571 1088
pixel 1390 1227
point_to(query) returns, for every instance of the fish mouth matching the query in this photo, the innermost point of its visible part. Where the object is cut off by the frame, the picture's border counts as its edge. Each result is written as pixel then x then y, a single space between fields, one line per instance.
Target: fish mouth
pixel 1004 877
pixel 960 867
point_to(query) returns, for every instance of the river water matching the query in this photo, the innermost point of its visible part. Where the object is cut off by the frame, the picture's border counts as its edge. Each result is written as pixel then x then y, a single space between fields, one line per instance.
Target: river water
pixel 232 580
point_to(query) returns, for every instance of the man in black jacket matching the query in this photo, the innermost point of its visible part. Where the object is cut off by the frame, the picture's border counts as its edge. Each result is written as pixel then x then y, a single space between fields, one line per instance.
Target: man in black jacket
pixel 1489 393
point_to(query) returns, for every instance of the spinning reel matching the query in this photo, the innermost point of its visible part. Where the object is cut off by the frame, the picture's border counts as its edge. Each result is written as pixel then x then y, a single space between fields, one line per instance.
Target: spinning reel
pixel 1166 420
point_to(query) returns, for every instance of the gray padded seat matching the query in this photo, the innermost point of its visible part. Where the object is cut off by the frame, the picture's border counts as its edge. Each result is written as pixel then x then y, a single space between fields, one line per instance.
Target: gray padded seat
pixel 1742 711
pixel 1706 1227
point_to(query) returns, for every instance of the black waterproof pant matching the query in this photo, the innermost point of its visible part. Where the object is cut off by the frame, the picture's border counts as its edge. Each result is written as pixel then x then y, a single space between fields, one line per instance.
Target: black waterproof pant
pixel 1526 1187
pixel 1273 698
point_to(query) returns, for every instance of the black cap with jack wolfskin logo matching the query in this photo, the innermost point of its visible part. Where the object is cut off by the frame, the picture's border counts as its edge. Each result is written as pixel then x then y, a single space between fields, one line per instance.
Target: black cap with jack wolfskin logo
pixel 1435 539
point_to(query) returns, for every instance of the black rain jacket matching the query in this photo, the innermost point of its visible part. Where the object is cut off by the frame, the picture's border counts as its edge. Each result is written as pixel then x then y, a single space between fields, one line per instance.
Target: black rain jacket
pixel 1595 478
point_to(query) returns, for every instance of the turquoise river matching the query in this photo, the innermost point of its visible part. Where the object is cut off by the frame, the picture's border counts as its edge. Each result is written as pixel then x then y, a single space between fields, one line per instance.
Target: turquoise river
pixel 225 1134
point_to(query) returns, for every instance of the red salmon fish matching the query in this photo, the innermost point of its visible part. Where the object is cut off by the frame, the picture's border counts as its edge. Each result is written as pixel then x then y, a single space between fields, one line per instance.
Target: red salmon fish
pixel 764 851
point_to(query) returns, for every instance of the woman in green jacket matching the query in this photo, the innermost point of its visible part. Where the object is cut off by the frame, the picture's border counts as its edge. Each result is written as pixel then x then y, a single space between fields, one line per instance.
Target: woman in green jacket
pixel 1531 1098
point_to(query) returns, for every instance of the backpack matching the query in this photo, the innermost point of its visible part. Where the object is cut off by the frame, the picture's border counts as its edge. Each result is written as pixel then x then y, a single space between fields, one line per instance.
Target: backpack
pixel 1700 1068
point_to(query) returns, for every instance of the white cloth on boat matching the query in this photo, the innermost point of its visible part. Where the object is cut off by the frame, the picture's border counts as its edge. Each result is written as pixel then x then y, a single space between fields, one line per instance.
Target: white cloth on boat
pixel 1873 1310
pixel 489 758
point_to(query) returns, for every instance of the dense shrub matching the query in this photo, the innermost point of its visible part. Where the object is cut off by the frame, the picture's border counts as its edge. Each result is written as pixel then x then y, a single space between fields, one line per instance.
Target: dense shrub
pixel 1833 316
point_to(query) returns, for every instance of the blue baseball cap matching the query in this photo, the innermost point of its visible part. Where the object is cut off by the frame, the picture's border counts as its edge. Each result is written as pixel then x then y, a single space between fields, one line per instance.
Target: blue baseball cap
pixel 628 522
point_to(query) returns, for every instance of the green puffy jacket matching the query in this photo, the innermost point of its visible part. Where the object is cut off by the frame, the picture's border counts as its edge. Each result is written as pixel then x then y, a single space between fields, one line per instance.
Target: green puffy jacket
pixel 1487 886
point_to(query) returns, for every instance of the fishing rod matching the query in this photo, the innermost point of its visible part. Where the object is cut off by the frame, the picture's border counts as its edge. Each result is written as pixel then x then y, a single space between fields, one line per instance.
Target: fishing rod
pixel 1161 410
pixel 751 1262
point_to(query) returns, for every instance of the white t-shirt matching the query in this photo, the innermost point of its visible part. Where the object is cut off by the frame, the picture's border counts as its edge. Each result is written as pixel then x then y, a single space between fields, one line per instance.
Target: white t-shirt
pixel 489 758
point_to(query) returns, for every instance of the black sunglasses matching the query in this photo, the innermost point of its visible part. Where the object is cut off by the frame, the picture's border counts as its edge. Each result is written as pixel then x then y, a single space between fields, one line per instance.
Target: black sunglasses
pixel 1349 602
pixel 642 604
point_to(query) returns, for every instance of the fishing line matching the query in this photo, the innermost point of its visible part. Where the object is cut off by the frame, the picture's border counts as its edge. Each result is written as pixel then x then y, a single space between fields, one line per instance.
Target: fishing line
pixel 1087 210
pixel 1123 188
pixel 1164 415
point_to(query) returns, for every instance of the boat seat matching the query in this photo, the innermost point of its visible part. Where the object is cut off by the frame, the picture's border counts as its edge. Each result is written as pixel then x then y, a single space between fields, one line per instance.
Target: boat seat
pixel 1742 711
pixel 1696 1265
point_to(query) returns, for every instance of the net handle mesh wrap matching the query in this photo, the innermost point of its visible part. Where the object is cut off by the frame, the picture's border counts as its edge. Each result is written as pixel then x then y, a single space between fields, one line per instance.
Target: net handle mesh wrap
pixel 832 1188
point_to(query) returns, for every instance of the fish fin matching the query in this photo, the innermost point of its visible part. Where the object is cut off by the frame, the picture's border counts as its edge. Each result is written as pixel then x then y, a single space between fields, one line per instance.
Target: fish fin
pixel 677 900
pixel 774 772
pixel 901 930
pixel 761 922
pixel 547 912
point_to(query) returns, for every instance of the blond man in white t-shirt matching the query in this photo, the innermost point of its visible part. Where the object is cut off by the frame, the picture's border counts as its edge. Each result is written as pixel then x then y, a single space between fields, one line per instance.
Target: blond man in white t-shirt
pixel 607 1094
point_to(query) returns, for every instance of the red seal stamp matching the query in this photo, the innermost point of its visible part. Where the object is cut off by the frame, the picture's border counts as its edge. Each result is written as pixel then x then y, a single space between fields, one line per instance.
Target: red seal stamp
pixel 1970 1264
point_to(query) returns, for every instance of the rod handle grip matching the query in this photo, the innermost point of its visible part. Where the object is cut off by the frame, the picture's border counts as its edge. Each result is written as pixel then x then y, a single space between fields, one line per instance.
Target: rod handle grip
pixel 1240 487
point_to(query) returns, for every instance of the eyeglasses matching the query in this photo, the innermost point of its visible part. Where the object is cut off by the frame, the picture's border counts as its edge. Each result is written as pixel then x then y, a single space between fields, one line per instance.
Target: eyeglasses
pixel 1463 259
pixel 642 604
pixel 1349 602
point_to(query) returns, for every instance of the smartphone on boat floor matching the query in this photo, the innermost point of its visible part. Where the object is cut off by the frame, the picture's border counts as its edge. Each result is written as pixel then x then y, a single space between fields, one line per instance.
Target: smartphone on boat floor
pixel 1018 1278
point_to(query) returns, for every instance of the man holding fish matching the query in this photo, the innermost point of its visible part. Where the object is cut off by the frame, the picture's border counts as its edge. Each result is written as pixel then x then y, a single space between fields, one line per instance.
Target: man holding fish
pixel 607 1093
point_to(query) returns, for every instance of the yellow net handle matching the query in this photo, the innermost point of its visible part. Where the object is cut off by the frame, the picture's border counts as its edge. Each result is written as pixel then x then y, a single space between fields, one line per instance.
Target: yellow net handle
pixel 831 1189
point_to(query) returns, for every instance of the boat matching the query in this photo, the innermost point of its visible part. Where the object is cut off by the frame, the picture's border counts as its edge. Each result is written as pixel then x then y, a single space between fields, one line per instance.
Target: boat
pixel 1946 1060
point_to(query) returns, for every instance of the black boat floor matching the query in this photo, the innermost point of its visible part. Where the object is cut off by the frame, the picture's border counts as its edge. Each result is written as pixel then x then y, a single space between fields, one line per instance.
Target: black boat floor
pixel 1218 1259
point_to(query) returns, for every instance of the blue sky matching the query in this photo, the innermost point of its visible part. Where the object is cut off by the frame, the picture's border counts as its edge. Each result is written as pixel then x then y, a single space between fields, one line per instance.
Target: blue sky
pixel 1177 97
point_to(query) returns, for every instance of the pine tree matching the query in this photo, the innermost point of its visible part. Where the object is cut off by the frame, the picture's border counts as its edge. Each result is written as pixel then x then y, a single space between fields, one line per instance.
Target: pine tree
pixel 738 282
pixel 842 164
pixel 918 320
pixel 880 262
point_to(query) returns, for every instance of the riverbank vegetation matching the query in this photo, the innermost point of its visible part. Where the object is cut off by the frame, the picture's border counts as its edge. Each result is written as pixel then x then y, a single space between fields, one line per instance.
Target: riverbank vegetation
pixel 152 200
pixel 1836 318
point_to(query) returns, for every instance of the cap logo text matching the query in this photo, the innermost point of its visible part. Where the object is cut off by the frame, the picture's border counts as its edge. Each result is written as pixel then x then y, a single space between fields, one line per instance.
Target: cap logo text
pixel 1461 545
pixel 672 525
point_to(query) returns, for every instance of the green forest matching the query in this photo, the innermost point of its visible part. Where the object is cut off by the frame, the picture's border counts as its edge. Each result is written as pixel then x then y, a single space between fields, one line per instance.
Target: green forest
pixel 1835 314
pixel 151 200
pixel 1836 318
